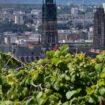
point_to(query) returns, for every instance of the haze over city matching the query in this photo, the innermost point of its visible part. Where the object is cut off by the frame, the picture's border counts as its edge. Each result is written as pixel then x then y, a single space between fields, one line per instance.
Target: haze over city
pixel 45 25
pixel 58 1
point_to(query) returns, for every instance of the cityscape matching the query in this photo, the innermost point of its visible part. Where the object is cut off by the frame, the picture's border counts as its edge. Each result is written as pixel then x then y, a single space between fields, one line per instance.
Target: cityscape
pixel 29 30
pixel 52 52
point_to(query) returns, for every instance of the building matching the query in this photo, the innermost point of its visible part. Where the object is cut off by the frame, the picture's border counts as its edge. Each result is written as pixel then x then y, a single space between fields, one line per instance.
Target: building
pixel 74 11
pixel 19 17
pixel 99 29
pixel 49 23
pixel 103 6
pixel 90 33
pixel 35 12
pixel 9 38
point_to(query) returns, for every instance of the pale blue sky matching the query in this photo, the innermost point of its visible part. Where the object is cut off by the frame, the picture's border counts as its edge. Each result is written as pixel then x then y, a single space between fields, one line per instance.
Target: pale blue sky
pixel 58 1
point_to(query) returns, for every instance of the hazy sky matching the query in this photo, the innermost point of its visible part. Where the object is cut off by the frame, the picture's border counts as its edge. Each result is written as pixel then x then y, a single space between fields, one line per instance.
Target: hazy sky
pixel 58 1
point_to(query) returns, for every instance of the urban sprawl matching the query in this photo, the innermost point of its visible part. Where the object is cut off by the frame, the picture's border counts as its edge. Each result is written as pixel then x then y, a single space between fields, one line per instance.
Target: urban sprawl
pixel 27 31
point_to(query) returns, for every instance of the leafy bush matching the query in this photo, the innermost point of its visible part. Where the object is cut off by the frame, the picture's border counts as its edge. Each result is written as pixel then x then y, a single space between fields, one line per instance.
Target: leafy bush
pixel 59 79
pixel 8 61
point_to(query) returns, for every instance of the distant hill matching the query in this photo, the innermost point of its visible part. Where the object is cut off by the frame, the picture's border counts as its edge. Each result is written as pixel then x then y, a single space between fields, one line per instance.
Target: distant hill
pixel 58 1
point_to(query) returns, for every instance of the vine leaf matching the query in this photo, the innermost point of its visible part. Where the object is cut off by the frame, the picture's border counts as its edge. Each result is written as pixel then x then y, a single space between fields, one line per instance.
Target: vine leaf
pixel 72 93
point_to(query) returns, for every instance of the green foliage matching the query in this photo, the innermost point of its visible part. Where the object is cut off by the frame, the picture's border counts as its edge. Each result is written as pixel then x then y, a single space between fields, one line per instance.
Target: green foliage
pixel 59 79
pixel 11 27
pixel 8 61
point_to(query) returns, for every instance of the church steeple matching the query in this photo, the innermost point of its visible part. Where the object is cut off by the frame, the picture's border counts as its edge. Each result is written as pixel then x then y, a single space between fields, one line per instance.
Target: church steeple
pixel 49 1
pixel 49 35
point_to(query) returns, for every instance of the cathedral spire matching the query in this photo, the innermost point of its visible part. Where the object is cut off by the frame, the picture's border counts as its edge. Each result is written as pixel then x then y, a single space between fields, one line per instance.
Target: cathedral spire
pixel 49 1
pixel 49 36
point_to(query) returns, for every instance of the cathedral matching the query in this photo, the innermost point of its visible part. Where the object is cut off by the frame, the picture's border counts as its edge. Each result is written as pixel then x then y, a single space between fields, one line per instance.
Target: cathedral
pixel 49 37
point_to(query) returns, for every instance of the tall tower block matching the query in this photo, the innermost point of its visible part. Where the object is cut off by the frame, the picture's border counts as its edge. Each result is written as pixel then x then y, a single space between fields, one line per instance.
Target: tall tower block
pixel 49 23
pixel 99 29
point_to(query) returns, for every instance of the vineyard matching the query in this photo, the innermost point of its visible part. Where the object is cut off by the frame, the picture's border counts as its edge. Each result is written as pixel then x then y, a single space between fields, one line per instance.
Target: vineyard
pixel 59 79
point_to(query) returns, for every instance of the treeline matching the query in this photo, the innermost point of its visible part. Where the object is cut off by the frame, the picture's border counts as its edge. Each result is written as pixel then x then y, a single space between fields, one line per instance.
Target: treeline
pixel 10 26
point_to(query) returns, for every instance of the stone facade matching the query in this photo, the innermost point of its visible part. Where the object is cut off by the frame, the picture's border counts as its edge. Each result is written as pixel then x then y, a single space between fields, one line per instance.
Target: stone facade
pixel 99 29
pixel 49 23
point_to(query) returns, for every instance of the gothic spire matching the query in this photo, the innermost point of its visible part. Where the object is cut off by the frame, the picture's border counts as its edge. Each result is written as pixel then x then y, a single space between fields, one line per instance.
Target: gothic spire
pixel 49 1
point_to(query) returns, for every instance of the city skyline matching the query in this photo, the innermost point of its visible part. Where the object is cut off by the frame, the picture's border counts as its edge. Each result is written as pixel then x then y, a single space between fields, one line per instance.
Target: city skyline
pixel 58 1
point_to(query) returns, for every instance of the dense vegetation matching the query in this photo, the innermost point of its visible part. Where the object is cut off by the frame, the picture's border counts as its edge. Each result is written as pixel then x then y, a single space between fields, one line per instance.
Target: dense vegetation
pixel 59 79
pixel 6 26
pixel 8 61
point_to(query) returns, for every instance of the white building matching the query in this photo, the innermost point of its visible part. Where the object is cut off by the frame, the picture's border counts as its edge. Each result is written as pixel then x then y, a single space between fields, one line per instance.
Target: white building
pixel 103 6
pixel 36 12
pixel 74 11
pixel 90 33
pixel 63 34
pixel 19 17
pixel 10 38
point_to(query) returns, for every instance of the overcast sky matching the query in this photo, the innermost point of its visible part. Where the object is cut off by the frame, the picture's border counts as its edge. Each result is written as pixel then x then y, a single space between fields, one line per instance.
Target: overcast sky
pixel 58 1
